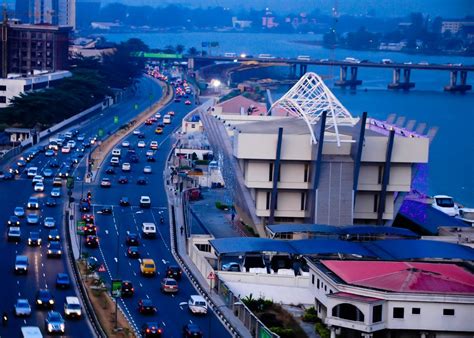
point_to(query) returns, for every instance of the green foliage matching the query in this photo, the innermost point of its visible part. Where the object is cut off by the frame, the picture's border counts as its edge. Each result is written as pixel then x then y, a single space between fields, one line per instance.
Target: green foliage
pixel 310 315
pixel 222 206
pixel 201 162
pixel 257 304
pixel 283 332
pixel 322 330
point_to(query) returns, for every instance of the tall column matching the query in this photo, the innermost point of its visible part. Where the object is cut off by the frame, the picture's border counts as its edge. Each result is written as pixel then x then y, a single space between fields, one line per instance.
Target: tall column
pixel 463 78
pixel 343 73
pixel 453 78
pixel 333 332
pixel 423 335
pixel 406 75
pixel 396 75
pixel 386 177
pixel 354 73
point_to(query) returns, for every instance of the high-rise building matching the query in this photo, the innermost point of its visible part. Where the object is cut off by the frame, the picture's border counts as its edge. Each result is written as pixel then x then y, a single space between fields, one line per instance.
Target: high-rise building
pixel 54 12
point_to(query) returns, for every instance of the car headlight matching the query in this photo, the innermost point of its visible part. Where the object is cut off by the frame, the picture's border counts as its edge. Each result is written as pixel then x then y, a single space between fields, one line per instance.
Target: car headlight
pixel 49 251
pixel 29 241
pixel 59 252
pixel 62 327
pixel 51 301
pixel 50 327
pixel 16 267
pixel 39 301
pixel 67 311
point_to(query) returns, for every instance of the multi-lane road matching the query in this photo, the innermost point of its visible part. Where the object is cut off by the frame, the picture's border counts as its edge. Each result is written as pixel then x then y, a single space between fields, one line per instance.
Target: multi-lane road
pixel 42 270
pixel 172 313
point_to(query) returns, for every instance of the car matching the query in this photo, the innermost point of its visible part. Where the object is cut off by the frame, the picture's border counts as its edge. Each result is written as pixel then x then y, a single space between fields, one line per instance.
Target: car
pixel 88 218
pixel 151 329
pixel 159 130
pixel 49 153
pixel 132 239
pixel 47 172
pixel 37 179
pixel 147 169
pixel 84 205
pixel 22 308
pixel 174 271
pixel 56 192
pixel 187 102
pixel 21 264
pixel 154 145
pixel 72 307
pixel 44 298
pixel 32 218
pixel 145 202
pixel 133 158
pixel 232 266
pixel 141 180
pixel 54 163
pixel 169 285
pixel 63 281
pixel 81 137
pixel 148 122
pixel 148 230
pixel 141 136
pixel 106 210
pixel 114 161
pixel 15 170
pixel 13 221
pixel 123 180
pixel 177 99
pixel 14 234
pixel 197 304
pixel 125 144
pixel 92 263
pixel 133 252
pixel 65 149
pixel 33 203
pixel 90 229
pixel 171 113
pixel 92 241
pixel 57 182
pixel 39 187
pixel 110 170
pixel 71 144
pixel 150 159
pixel 127 289
pixel 105 182
pixel 147 267
pixel 141 144
pixel 191 330
pixel 124 201
pixel 34 239
pixel 136 132
pixel 54 322
pixel 146 306
pixel 158 116
pixel 64 171
pixel 50 202
pixel 49 222
pixel 54 249
pixel 54 235
pixel 445 204
pixel 126 167
pixel 150 153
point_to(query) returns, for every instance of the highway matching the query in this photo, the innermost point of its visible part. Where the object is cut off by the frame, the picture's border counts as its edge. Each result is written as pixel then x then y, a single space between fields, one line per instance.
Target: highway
pixel 42 270
pixel 172 315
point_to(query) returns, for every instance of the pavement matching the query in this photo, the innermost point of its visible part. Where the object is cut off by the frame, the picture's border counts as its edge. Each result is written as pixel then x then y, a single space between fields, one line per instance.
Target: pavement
pixel 42 271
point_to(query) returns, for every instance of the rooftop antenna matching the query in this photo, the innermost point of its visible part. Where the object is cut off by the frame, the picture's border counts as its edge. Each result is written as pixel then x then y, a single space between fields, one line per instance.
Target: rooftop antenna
pixel 308 99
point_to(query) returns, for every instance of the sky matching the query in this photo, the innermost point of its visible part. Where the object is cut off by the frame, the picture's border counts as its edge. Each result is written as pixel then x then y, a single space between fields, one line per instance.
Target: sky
pixel 383 8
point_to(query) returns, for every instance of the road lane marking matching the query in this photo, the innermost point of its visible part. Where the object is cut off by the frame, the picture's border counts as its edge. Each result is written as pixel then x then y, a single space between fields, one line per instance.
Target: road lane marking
pixel 164 324
pixel 106 232
pixel 115 259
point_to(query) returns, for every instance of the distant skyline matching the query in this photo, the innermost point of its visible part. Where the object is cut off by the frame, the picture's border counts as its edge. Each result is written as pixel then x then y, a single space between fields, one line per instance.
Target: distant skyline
pixel 381 8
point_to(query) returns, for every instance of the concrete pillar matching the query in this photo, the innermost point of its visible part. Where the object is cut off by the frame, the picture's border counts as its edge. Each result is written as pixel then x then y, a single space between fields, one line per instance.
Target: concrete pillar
pixel 396 75
pixel 343 73
pixel 292 71
pixel 406 75
pixel 423 335
pixel 463 78
pixel 191 64
pixel 354 73
pixel 453 78
pixel 333 332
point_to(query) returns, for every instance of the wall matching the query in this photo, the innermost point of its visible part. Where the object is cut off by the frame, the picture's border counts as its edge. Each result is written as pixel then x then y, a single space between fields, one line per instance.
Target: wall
pixel 199 257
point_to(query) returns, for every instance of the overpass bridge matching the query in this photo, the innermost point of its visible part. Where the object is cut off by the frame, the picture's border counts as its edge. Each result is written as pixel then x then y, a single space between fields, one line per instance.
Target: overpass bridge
pixel 348 70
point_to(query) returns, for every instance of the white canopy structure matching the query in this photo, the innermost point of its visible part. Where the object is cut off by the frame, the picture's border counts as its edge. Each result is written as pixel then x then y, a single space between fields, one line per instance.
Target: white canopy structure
pixel 308 99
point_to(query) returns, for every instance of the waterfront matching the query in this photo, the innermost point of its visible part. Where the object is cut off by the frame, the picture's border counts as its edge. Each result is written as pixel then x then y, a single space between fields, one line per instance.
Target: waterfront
pixel 451 159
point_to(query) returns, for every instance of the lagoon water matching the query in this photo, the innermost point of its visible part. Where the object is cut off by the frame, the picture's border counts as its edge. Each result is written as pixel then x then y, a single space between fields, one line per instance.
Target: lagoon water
pixel 451 169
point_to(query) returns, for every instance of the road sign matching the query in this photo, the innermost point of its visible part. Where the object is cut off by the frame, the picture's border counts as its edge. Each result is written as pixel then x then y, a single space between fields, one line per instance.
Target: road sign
pixel 116 288
pixel 136 106
pixel 101 268
pixel 116 119
pixel 211 275
pixel 70 183
pixel 80 227
pixel 100 132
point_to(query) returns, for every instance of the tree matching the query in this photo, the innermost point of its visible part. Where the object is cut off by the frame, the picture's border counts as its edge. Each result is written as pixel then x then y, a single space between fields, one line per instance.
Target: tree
pixel 179 49
pixel 193 51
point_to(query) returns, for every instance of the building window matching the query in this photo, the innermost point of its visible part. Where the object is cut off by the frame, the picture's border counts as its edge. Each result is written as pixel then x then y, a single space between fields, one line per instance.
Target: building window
pixel 448 312
pixel 415 311
pixel 312 279
pixel 379 179
pixel 303 201
pixel 193 125
pixel 398 312
pixel 3 88
pixel 270 172
pixel 306 172
pixel 325 288
pixel 376 202
pixel 267 204
pixel 317 283
pixel 377 313
pixel 3 99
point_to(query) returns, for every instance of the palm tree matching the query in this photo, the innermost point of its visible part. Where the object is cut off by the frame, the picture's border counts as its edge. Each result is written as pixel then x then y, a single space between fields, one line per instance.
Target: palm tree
pixel 179 49
pixel 193 51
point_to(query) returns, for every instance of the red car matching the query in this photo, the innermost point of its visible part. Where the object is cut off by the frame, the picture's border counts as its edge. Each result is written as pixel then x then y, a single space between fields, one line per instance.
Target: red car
pixel 187 102
pixel 148 122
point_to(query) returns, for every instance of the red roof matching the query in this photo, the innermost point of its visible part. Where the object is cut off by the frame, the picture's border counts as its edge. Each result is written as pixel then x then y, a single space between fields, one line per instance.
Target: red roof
pixel 250 107
pixel 404 276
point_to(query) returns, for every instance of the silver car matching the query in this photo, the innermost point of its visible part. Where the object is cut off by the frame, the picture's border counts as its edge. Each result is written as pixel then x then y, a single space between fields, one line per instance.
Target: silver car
pixel 49 222
pixel 22 307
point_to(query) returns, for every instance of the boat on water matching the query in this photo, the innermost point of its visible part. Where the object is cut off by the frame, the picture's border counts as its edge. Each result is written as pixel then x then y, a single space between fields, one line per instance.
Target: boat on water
pixel 467 215
pixel 445 204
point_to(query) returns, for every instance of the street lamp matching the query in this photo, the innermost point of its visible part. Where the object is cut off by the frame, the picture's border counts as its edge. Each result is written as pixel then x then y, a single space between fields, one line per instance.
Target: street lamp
pixel 118 265
pixel 216 84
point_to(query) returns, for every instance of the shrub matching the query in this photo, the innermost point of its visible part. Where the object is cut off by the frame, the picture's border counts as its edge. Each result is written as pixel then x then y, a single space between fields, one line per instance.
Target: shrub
pixel 222 206
pixel 283 332
pixel 310 315
pixel 322 330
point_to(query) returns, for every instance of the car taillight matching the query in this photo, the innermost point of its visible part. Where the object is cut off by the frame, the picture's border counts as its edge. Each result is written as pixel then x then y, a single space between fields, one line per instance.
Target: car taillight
pixel 147 330
pixel 160 330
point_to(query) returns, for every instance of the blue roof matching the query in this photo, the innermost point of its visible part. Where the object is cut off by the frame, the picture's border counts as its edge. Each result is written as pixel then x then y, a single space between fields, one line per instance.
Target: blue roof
pixel 427 218
pixel 342 230
pixel 390 249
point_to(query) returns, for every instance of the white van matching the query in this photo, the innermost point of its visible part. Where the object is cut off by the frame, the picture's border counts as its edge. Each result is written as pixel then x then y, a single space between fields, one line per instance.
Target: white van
pixel 32 172
pixel 145 202
pixel 149 230
pixel 72 307
pixel 31 332
pixel 116 152
pixel 114 161
pixel 167 119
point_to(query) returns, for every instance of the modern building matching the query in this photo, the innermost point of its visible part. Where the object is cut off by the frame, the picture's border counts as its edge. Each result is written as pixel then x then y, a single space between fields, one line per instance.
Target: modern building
pixel 33 48
pixel 53 12
pixel 16 85
pixel 455 26
pixel 240 105
pixel 280 173
pixel 393 299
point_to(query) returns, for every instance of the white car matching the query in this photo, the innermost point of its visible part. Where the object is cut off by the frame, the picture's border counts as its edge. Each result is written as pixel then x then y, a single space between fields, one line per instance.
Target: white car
pixel 445 204
pixel 72 307
pixel 22 307
pixel 147 169
pixel 71 144
pixel 32 219
pixel 49 222
pixel 154 145
pixel 136 132
pixel 158 115
pixel 66 150
pixel 125 144
pixel 39 187
pixel 37 179
pixel 150 153
pixel 141 144
pixel 197 304
pixel 145 202
pixel 126 166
